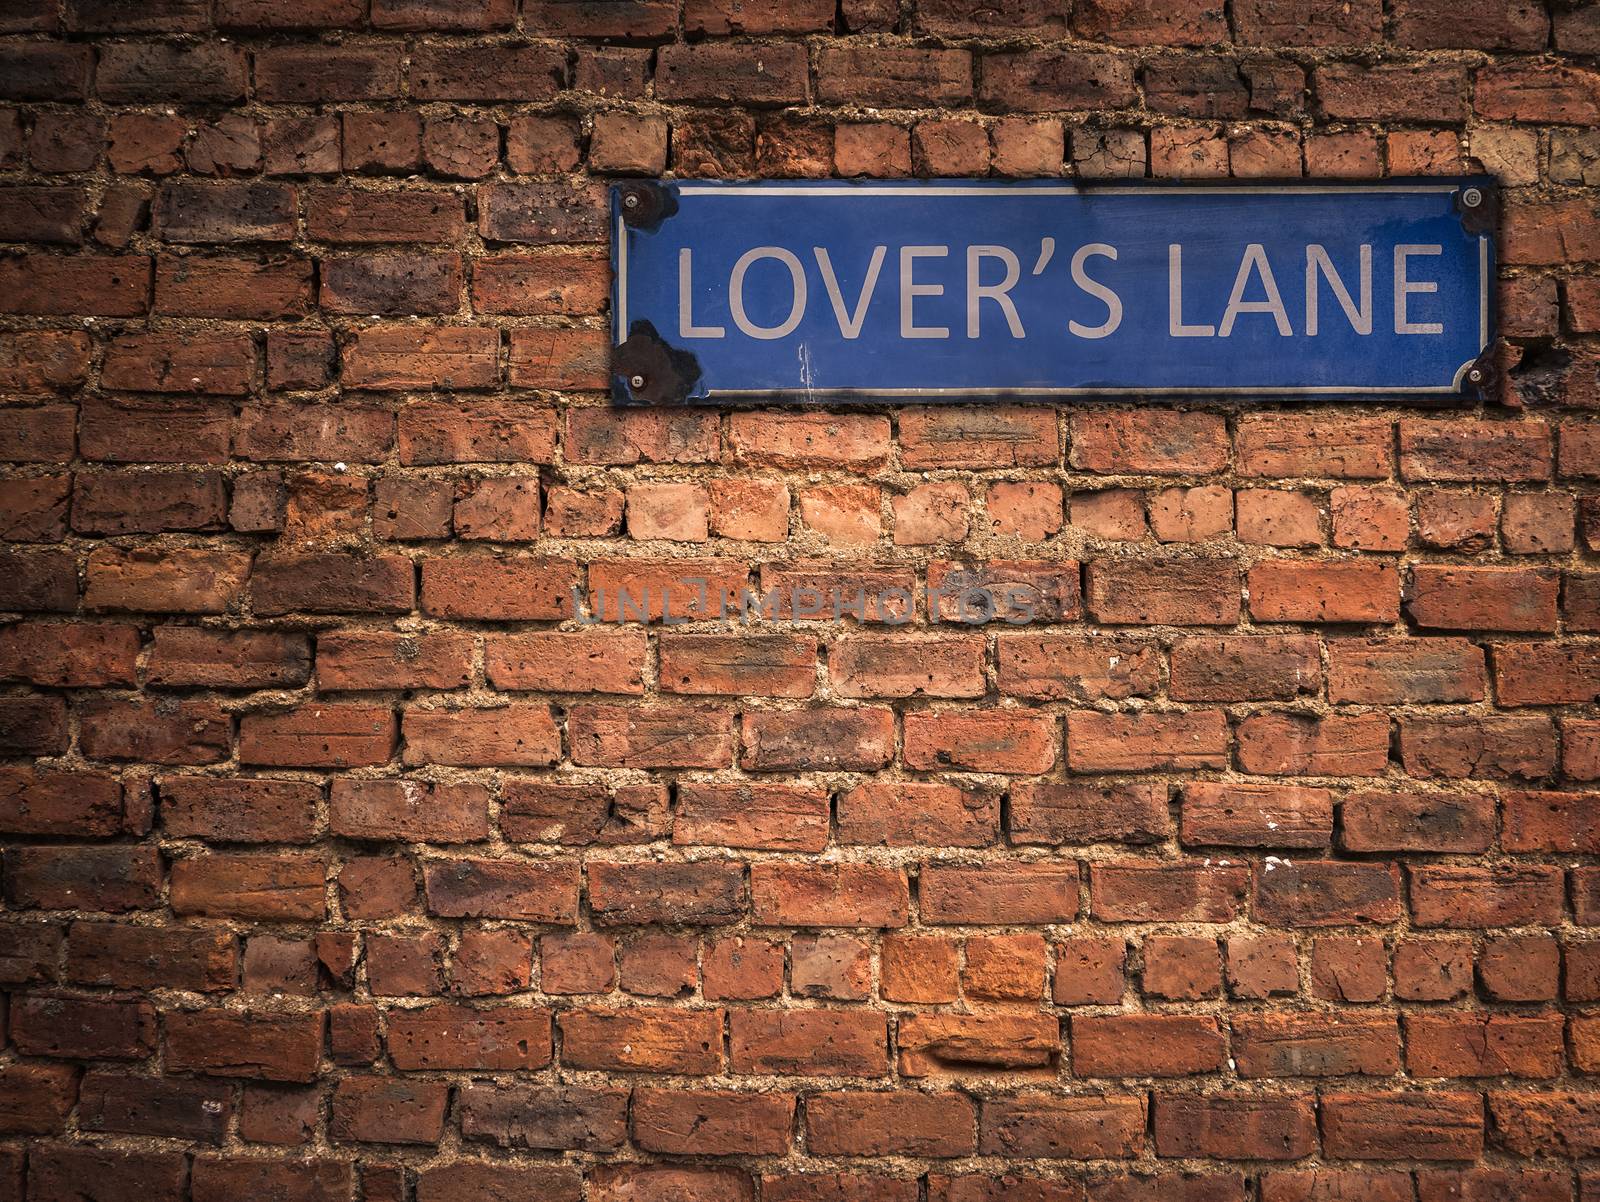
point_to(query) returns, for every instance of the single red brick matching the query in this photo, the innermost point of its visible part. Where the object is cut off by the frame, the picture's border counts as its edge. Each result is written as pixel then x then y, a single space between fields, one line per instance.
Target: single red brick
pixel 705 1122
pixel 448 1036
pixel 1047 1125
pixel 1181 892
pixel 912 813
pixel 35 1099
pixel 1349 968
pixel 1417 821
pixel 1317 591
pixel 530 891
pixel 627 1182
pixel 891 1124
pixel 643 1039
pixel 247 811
pixel 62 1172
pixel 1146 1045
pixel 1034 894
pixel 258 1046
pixel 216 1180
pixel 82 1028
pixel 1313 893
pixel 795 894
pixel 389 1110
pixel 1492 746
pixel 337 735
pixel 772 73
pixel 516 735
pixel 986 741
pixel 1466 897
pixel 658 965
pixel 576 962
pixel 285 886
pixel 956 1044
pixel 1251 815
pixel 1484 1045
pixel 1432 970
pixel 741 968
pixel 154 1106
pixel 1098 742
pixel 1261 966
pixel 1088 972
pixel 377 886
pixel 1234 1128
pixel 1290 744
pixel 854 739
pixel 1284 446
pixel 1179 592
pixel 1052 80
pixel 1181 967
pixel 700 893
pixel 1520 968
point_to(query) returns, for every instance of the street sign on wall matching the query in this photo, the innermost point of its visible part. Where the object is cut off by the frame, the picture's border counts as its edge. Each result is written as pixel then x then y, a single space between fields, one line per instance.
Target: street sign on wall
pixel 961 290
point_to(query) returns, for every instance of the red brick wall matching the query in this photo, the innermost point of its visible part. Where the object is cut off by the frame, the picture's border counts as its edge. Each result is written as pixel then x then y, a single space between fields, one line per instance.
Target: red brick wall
pixel 340 863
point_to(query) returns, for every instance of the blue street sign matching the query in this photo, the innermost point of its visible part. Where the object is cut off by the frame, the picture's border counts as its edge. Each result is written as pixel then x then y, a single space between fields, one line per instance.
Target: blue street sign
pixel 830 291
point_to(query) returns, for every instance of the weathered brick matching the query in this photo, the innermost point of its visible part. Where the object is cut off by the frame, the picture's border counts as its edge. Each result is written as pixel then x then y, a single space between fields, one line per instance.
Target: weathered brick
pixel 712 1122
pixel 1431 1125
pixel 1051 80
pixel 1177 592
pixel 1249 815
pixel 239 885
pixel 828 895
pixel 1146 1045
pixel 832 1043
pixel 644 1039
pixel 1304 1045
pixel 109 1101
pixel 1259 1128
pixel 1010 742
pixel 1465 897
pixel 318 73
pixel 221 1043
pixel 1098 742
pixel 456 1037
pixel 1374 821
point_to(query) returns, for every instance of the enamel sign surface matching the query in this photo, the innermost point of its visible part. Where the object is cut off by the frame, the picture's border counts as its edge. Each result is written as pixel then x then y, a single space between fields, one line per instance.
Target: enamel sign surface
pixel 966 290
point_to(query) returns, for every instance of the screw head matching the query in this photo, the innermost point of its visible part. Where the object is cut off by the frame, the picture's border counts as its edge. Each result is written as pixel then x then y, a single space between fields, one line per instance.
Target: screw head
pixel 1472 197
pixel 1475 375
pixel 636 382
pixel 630 200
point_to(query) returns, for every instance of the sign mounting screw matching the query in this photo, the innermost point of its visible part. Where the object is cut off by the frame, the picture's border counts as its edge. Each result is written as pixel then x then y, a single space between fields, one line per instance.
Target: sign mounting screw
pixel 635 382
pixel 630 200
pixel 1475 375
pixel 1471 198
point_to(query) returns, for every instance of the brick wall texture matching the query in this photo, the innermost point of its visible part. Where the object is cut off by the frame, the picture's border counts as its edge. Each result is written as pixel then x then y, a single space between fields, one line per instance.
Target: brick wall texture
pixel 342 861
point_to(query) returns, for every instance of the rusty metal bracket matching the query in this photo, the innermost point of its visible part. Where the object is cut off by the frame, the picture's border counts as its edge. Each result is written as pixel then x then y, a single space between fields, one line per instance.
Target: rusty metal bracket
pixel 645 204
pixel 645 370
pixel 1481 381
pixel 1479 205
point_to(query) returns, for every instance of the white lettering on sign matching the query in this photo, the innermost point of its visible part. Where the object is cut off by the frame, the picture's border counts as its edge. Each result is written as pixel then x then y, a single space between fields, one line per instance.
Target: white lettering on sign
pixel 977 292
pixel 1099 291
pixel 1175 322
pixel 1318 263
pixel 910 290
pixel 1255 262
pixel 797 308
pixel 1403 287
pixel 993 274
pixel 686 326
pixel 850 323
